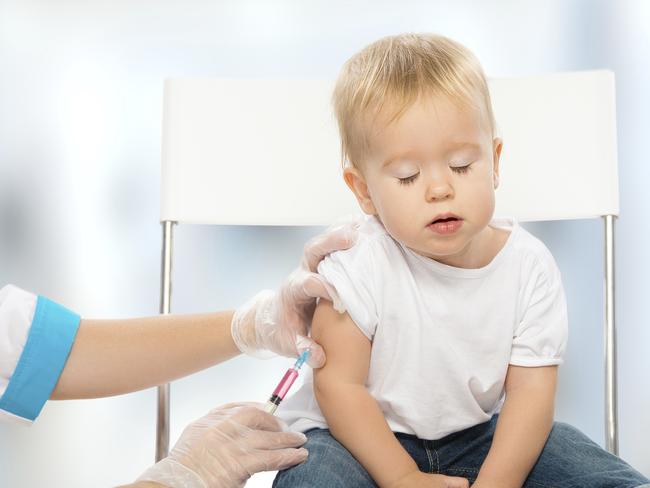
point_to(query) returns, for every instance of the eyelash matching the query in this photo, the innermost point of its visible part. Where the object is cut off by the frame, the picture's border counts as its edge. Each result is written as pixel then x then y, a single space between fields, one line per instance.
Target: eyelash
pixel 408 180
pixel 456 169
pixel 460 169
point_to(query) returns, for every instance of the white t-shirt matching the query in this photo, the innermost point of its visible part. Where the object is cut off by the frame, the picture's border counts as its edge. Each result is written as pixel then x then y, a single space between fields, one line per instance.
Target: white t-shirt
pixel 442 337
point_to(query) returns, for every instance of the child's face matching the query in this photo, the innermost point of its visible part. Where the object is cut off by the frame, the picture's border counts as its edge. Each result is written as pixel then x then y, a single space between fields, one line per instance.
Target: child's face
pixel 436 159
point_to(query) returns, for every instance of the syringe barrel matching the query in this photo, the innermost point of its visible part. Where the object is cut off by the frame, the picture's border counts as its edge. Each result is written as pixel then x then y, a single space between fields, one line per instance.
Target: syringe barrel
pixel 286 382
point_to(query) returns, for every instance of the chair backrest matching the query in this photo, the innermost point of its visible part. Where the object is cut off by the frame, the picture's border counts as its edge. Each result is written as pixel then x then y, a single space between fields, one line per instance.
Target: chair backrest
pixel 266 152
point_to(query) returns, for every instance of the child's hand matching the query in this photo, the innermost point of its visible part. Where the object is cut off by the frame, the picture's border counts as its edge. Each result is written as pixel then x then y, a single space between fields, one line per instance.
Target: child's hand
pixel 420 480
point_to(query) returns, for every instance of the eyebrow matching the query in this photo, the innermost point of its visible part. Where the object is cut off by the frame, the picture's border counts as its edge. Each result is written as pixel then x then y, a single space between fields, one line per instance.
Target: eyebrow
pixel 397 159
pixel 463 145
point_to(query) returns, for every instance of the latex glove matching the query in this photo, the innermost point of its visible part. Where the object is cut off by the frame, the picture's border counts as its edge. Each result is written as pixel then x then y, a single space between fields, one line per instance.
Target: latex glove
pixel 226 447
pixel 279 321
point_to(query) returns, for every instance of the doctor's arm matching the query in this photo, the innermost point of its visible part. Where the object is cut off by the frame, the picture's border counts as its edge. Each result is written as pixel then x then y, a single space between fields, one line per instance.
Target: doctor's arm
pixel 111 357
pixel 525 421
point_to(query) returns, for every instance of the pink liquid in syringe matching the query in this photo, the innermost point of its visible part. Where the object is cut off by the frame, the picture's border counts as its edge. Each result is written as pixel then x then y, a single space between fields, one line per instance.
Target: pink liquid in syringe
pixel 286 382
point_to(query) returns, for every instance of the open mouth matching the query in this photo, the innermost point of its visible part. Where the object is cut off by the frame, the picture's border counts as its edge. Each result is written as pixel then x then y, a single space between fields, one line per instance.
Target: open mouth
pixel 447 224
pixel 448 219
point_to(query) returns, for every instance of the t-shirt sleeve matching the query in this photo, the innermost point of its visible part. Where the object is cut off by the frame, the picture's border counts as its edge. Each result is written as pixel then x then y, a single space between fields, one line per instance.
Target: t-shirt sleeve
pixel 36 336
pixel 350 273
pixel 541 336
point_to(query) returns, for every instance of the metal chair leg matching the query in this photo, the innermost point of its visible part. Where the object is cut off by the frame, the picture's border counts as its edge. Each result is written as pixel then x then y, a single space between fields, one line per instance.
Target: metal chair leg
pixel 162 420
pixel 611 396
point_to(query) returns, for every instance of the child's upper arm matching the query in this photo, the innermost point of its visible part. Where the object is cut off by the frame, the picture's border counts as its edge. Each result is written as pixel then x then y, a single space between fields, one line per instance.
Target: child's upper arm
pixel 540 378
pixel 346 348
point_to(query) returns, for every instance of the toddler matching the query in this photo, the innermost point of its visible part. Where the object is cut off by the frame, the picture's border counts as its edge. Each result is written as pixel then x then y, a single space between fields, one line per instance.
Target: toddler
pixel 442 370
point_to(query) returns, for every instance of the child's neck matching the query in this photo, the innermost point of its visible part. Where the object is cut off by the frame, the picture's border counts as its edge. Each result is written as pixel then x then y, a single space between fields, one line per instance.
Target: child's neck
pixel 482 250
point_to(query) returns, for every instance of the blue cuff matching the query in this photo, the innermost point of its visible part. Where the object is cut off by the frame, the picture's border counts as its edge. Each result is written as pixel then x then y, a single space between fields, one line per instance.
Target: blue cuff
pixel 47 348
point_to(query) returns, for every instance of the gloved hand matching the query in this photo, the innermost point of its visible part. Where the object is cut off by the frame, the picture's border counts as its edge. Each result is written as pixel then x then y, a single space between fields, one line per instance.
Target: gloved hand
pixel 279 321
pixel 226 447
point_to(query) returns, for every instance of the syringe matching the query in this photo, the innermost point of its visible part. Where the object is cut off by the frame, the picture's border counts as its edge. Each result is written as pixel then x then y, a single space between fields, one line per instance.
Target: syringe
pixel 283 387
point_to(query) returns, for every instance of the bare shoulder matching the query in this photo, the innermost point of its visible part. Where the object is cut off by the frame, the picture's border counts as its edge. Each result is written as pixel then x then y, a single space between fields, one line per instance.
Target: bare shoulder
pixel 346 348
pixel 328 324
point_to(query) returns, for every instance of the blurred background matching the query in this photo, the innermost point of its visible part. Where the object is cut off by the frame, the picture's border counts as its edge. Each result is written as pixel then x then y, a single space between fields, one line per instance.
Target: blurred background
pixel 80 134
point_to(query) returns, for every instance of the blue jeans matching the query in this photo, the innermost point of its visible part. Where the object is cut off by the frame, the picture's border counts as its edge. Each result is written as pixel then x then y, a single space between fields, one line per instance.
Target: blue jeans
pixel 569 460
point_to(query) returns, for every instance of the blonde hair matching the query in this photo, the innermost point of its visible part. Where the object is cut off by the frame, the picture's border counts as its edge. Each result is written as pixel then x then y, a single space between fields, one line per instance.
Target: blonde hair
pixel 392 73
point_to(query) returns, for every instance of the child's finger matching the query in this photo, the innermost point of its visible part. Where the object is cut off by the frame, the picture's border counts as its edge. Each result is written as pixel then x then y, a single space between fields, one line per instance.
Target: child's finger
pixel 455 482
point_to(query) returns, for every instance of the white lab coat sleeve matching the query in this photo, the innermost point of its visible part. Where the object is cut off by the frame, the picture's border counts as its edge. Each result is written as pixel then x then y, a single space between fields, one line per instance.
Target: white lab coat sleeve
pixel 36 336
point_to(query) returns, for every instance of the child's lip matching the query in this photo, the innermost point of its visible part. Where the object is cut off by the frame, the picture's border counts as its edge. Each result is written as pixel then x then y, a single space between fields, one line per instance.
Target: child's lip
pixel 447 215
pixel 447 227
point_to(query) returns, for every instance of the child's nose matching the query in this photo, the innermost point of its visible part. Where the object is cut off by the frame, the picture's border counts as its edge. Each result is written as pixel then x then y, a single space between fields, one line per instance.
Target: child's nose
pixel 439 187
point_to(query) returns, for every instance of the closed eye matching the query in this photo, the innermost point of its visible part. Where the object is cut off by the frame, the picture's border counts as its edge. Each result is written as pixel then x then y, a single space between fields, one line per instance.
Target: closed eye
pixel 461 169
pixel 408 180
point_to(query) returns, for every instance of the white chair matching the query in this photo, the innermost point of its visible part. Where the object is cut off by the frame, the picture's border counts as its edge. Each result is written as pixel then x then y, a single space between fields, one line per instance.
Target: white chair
pixel 281 137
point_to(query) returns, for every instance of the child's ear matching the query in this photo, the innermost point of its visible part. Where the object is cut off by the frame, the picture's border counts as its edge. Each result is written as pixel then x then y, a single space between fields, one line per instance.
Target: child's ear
pixel 497 145
pixel 357 183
